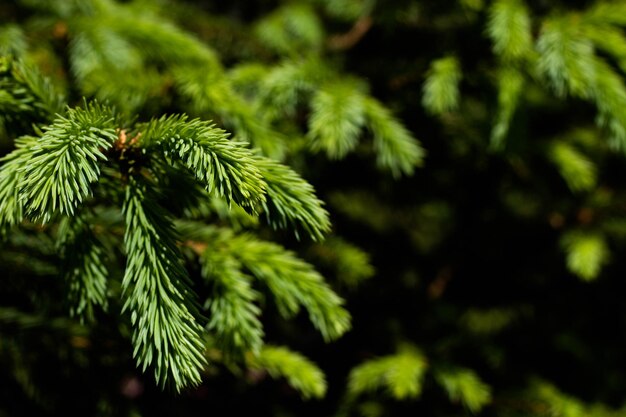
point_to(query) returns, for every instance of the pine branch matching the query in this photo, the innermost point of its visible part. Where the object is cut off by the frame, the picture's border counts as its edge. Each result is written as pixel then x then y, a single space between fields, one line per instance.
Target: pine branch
pixel 396 149
pixel 293 282
pixel 509 28
pixel 26 96
pixel 108 67
pixel 609 12
pixel 464 386
pixel 302 374
pixel 290 84
pixel 232 306
pixel 568 61
pixel 337 118
pixel 611 40
pixel 556 403
pixel 576 169
pixel 83 264
pixel 11 173
pixel 400 374
pixel 159 38
pixel 610 97
pixel 350 263
pixel 213 94
pixel 95 49
pixel 64 161
pixel 441 88
pixel 12 40
pixel 510 88
pixel 291 30
pixel 164 313
pixel 587 253
pixel 221 165
pixel 291 201
pixel 566 58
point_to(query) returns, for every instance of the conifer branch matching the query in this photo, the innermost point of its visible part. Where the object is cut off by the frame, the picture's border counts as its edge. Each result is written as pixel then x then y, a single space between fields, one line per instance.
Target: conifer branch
pixel 609 39
pixel 576 169
pixel 291 201
pixel 64 161
pixel 11 173
pixel 350 263
pixel 610 96
pixel 290 84
pixel 108 67
pixel 566 58
pixel 293 282
pixel 12 40
pixel 232 306
pixel 509 28
pixel 400 375
pixel 587 252
pixel 608 12
pixel 396 149
pixel 292 30
pixel 26 96
pixel 221 165
pixel 212 94
pixel 510 88
pixel 337 118
pixel 83 264
pixel 463 385
pixel 441 88
pixel 571 66
pixel 164 312
pixel 302 374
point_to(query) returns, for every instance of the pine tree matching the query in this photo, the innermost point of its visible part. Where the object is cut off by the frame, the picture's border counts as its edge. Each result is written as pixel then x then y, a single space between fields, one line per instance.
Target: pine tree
pixel 194 192
pixel 156 219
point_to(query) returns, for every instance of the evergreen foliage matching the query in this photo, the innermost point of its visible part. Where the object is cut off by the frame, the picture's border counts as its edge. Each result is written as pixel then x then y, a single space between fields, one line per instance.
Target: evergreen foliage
pixel 462 385
pixel 441 89
pixel 53 176
pixel 401 375
pixel 301 373
pixel 189 191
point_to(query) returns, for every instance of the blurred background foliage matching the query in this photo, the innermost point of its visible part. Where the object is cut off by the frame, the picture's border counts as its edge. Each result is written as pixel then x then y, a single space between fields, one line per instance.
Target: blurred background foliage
pixel 482 265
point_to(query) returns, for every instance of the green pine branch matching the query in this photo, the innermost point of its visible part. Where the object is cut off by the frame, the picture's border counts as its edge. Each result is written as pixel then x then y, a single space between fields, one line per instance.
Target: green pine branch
pixel 26 96
pixel 291 201
pixel 464 386
pixel 65 161
pixel 11 174
pixel 510 29
pixel 586 253
pixel 401 375
pixel 293 282
pixel 234 314
pixel 164 314
pixel 84 268
pixel 302 374
pixel 441 88
pixel 396 148
pixel 337 118
pixel 221 165
pixel 510 88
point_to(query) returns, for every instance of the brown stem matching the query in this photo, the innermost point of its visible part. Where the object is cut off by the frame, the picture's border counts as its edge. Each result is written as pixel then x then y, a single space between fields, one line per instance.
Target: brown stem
pixel 353 36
